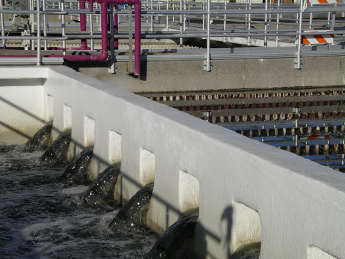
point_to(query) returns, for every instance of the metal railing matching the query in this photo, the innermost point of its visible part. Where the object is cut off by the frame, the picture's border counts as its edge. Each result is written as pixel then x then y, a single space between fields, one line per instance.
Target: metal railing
pixel 273 25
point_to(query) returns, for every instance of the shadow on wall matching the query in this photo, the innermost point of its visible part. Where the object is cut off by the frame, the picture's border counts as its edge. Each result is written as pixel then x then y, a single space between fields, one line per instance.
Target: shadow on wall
pixel 226 219
pixel 201 234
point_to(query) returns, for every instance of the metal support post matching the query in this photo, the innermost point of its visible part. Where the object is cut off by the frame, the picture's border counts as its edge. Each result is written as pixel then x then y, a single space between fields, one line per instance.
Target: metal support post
pixel 311 19
pixel 130 41
pixel 151 8
pixel 111 68
pixel 299 43
pixel 249 22
pixel 44 8
pixel 167 17
pixel 181 28
pixel 91 25
pixel 184 16
pixel 173 18
pixel 265 39
pixel 63 32
pixel 224 15
pixel 38 7
pixel 2 24
pixel 203 16
pixel 333 17
pixel 32 21
pixel 207 66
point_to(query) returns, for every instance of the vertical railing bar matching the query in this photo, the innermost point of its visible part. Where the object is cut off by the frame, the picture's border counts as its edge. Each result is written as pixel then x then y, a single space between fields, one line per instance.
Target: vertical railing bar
pixel 151 8
pixel 44 8
pixel 181 40
pixel 32 20
pixel 311 18
pixel 91 25
pixel 63 32
pixel 265 39
pixel 208 65
pixel 224 15
pixel 184 16
pixel 298 65
pixel 249 22
pixel 130 41
pixel 167 17
pixel 203 16
pixel 38 33
pixel 2 25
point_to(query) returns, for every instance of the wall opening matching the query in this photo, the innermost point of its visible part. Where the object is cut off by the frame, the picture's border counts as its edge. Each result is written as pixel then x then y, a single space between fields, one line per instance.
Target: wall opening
pixel 89 131
pixel 115 147
pixel 67 117
pixel 188 188
pixel 314 252
pixel 147 166
pixel 243 229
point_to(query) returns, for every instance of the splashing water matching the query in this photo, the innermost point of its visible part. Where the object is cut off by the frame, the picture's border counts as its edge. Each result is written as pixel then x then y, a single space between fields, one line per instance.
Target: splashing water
pixel 76 171
pixel 132 216
pixel 177 241
pixel 101 192
pixel 40 140
pixel 57 152
pixel 40 217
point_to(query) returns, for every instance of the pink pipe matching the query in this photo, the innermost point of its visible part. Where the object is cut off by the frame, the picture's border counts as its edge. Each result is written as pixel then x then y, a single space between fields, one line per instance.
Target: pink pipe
pixel 73 58
pixel 116 28
pixel 83 44
pixel 137 29
pixel 104 27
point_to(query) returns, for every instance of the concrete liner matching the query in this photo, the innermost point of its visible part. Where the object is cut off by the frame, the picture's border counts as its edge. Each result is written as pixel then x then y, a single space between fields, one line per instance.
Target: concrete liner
pixel 290 203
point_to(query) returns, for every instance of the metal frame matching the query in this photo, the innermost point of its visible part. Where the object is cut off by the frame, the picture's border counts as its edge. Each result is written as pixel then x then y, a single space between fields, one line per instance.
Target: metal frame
pixel 214 20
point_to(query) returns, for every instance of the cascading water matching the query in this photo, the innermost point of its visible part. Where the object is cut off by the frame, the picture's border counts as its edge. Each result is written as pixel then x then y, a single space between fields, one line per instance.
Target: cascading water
pixel 177 241
pixel 42 217
pixel 56 154
pixel 40 140
pixel 76 171
pixel 101 192
pixel 132 216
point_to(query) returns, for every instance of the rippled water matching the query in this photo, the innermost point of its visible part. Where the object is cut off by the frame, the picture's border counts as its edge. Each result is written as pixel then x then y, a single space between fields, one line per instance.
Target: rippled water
pixel 40 217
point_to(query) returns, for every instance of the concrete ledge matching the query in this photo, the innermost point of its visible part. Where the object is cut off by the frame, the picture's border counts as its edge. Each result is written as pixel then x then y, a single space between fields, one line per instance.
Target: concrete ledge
pixel 227 74
pixel 246 191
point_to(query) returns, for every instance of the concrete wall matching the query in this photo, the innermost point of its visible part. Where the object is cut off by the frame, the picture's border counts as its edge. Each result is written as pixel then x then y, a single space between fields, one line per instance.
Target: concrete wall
pixel 227 74
pixel 21 103
pixel 246 191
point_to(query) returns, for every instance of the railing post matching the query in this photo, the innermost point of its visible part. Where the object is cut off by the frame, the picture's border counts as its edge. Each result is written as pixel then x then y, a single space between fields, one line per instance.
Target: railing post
pixel 181 28
pixel 90 3
pixel 38 21
pixel 249 22
pixel 2 24
pixel 63 27
pixel 299 43
pixel 207 66
pixel 266 8
pixel 130 42
pixel 44 8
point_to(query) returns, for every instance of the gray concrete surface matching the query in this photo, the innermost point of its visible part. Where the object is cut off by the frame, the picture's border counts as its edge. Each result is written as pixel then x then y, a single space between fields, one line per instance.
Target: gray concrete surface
pixel 228 74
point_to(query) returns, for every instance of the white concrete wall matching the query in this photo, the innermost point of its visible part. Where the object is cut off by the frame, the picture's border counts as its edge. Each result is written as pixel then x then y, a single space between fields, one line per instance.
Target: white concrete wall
pixel 21 103
pixel 247 191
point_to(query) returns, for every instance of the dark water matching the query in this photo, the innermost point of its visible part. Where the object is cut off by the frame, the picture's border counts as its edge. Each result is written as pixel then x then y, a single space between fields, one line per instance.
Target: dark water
pixel 41 217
